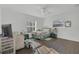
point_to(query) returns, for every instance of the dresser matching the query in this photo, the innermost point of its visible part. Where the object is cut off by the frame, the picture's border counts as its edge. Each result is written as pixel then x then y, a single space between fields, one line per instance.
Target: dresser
pixel 7 45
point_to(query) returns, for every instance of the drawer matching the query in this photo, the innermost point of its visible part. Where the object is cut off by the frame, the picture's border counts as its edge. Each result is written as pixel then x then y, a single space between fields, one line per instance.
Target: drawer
pixel 7 47
pixel 7 39
pixel 6 42
pixel 10 51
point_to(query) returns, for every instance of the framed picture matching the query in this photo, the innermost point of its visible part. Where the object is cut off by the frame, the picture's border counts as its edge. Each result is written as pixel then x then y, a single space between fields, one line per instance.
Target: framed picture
pixel 67 23
pixel 58 23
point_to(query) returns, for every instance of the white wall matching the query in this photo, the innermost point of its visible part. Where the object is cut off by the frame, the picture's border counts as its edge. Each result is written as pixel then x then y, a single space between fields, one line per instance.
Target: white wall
pixel 48 22
pixel 71 33
pixel 0 21
pixel 14 18
pixel 18 20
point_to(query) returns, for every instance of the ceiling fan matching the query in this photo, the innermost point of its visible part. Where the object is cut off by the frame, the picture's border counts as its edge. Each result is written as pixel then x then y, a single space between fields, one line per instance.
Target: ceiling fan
pixel 45 9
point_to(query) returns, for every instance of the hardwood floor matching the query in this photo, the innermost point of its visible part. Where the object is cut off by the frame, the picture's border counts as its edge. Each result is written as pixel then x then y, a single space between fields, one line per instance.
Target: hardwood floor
pixel 24 50
pixel 62 46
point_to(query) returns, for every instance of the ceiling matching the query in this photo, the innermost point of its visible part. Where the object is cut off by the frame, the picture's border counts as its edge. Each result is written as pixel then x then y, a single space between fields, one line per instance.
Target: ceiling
pixel 40 10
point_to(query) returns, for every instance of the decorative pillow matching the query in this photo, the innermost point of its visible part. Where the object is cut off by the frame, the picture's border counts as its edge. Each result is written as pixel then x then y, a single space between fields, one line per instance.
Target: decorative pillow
pixel 48 39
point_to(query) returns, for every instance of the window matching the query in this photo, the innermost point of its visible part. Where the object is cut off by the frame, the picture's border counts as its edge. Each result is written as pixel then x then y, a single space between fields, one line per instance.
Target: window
pixel 31 26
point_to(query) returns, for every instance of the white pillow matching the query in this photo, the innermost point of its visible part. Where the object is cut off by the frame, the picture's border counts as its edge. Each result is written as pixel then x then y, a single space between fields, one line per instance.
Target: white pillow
pixel 48 39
